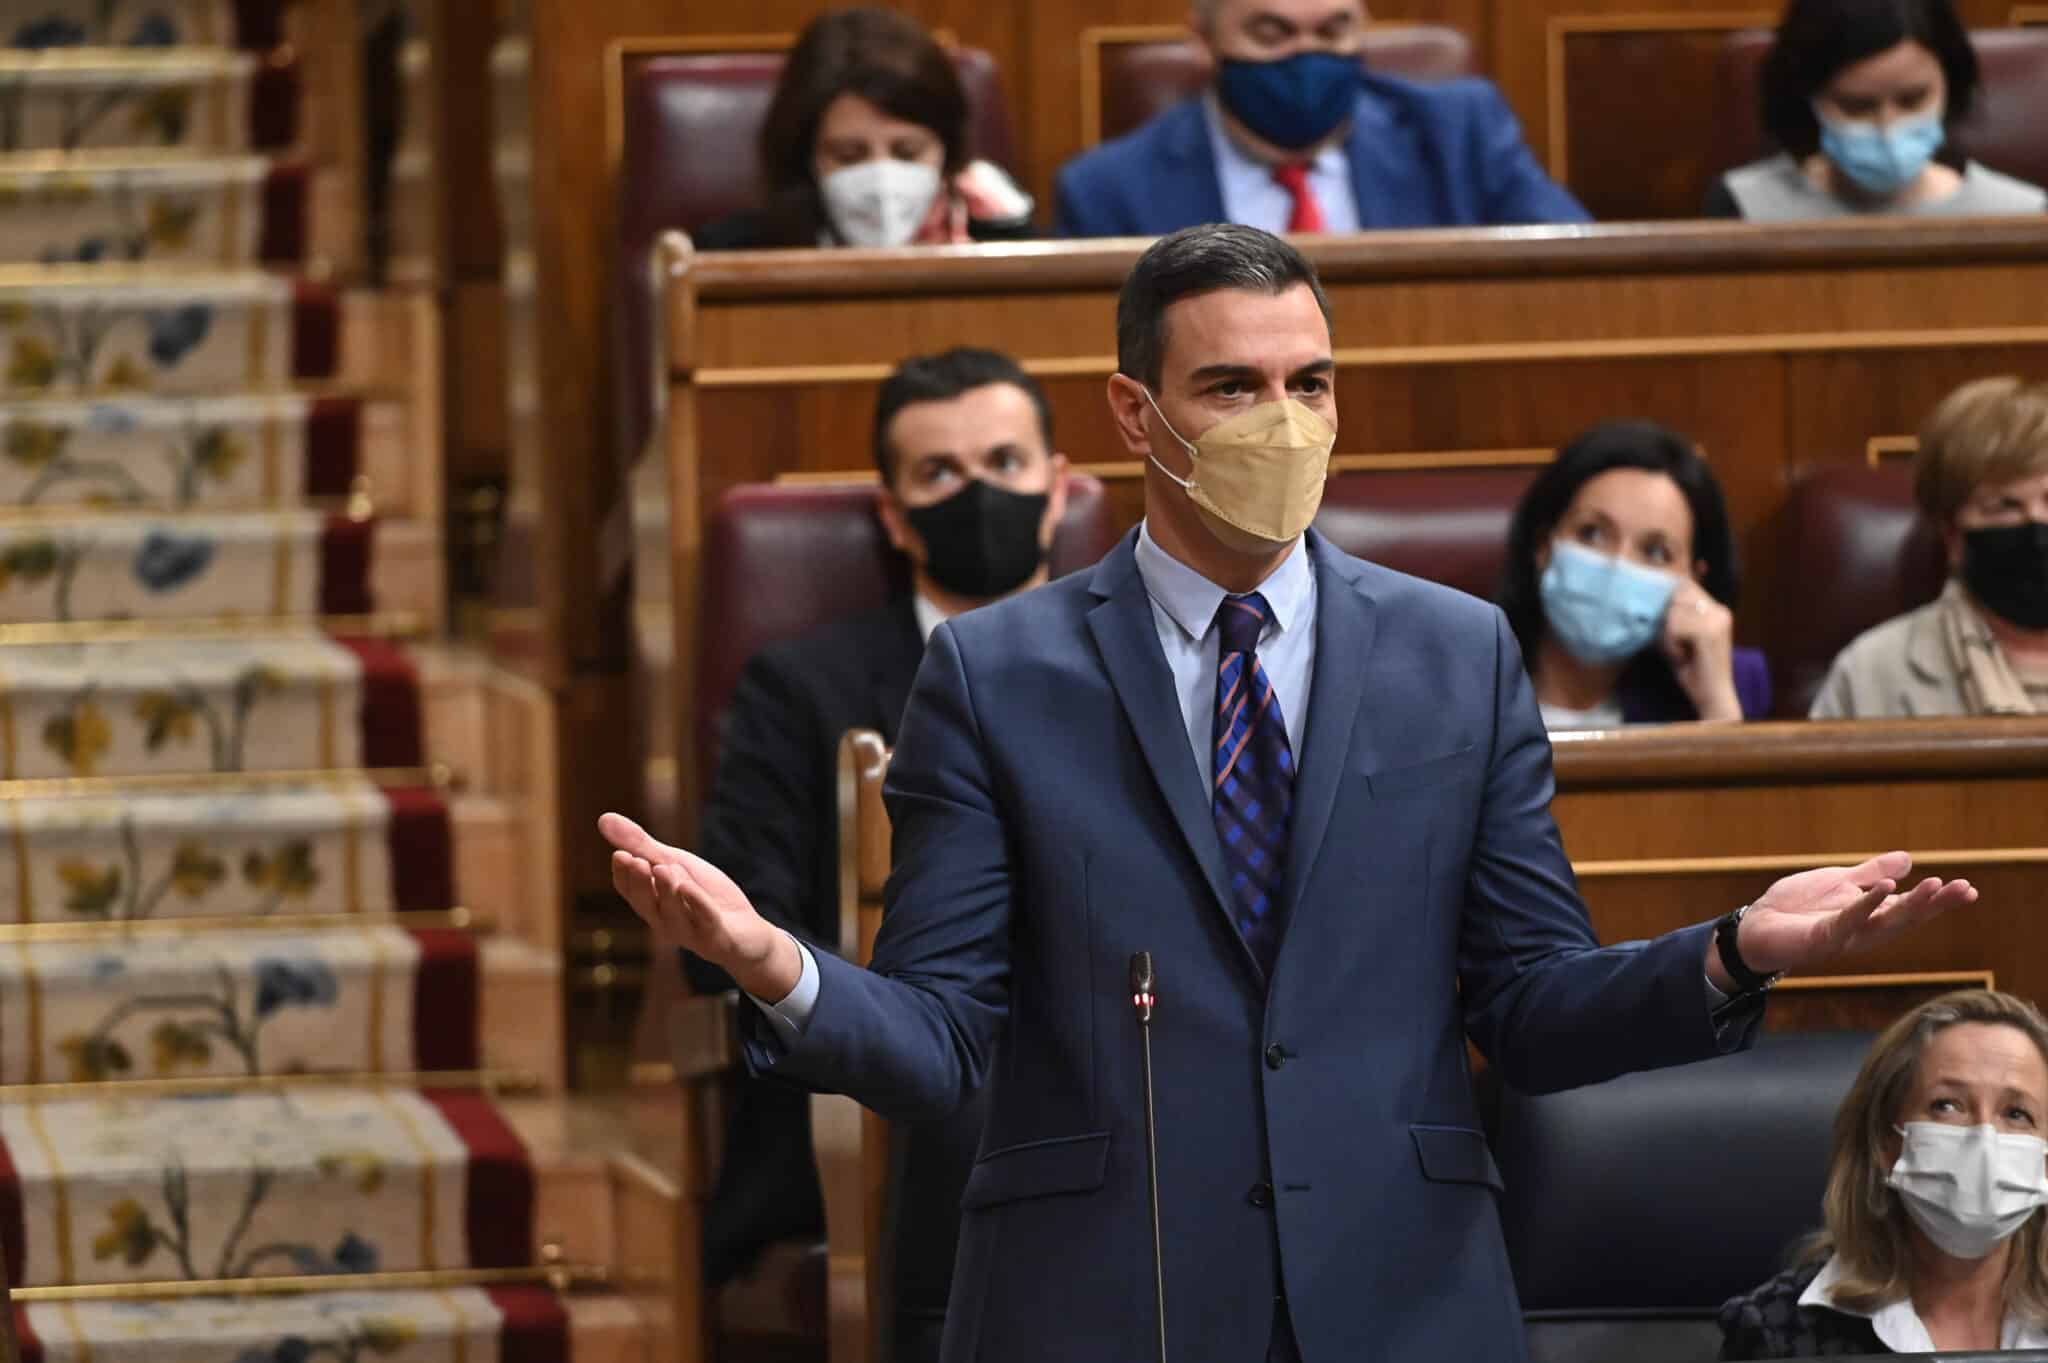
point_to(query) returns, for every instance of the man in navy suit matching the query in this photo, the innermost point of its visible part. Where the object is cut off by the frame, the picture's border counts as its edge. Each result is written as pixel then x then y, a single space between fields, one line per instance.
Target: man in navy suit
pixel 1109 765
pixel 1291 136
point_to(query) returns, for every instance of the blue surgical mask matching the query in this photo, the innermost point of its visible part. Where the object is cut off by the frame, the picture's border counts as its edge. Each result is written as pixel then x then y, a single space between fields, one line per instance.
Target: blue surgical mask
pixel 1883 161
pixel 1295 102
pixel 1601 609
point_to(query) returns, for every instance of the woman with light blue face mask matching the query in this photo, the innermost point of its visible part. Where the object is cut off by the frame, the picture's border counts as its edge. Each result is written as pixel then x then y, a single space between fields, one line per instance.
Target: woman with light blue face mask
pixel 1862 96
pixel 1620 582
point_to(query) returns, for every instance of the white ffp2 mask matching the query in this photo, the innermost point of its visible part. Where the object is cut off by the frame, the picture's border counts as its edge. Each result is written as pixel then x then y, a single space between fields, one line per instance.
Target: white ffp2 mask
pixel 1969 1187
pixel 881 202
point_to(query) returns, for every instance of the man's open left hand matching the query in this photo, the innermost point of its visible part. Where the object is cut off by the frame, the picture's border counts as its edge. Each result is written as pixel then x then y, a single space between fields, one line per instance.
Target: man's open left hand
pixel 1807 919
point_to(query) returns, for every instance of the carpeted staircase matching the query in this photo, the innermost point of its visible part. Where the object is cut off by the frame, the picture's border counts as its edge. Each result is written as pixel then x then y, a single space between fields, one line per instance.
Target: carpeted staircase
pixel 280 979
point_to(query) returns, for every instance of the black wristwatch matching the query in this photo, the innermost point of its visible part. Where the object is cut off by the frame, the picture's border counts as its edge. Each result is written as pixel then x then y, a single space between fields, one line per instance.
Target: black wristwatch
pixel 1727 933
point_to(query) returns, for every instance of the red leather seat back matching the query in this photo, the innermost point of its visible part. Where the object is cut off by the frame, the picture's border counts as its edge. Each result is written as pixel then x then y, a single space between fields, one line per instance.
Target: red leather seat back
pixel 1855 552
pixel 691 123
pixel 781 561
pixel 1448 525
pixel 2008 132
pixel 1142 79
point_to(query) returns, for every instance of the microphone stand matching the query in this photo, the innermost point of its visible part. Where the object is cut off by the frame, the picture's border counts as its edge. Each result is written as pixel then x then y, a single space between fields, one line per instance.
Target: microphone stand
pixel 1143 999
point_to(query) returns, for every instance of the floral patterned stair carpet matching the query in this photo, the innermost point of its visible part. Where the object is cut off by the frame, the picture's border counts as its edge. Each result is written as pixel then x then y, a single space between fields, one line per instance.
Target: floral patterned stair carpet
pixel 460 1325
pixel 259 1185
pixel 223 860
pixel 116 328
pixel 338 845
pixel 281 702
pixel 181 454
pixel 191 210
pixel 86 565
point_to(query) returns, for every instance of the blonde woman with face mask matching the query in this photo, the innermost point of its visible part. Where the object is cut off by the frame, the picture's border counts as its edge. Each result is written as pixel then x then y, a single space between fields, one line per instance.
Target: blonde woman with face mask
pixel 1934 1236
pixel 865 144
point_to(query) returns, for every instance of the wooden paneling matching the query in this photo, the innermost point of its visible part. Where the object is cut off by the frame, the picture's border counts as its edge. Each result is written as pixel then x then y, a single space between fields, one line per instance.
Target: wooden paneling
pixel 1626 157
pixel 1678 825
pixel 1862 1003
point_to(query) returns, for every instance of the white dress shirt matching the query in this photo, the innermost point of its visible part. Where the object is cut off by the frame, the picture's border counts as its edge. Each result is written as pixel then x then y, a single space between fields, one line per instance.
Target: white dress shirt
pixel 929 616
pixel 1899 1326
pixel 1184 605
pixel 1252 197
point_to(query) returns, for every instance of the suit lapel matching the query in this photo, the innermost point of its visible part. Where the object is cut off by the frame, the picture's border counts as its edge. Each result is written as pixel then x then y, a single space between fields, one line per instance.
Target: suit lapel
pixel 1385 167
pixel 1128 639
pixel 1344 631
pixel 1191 191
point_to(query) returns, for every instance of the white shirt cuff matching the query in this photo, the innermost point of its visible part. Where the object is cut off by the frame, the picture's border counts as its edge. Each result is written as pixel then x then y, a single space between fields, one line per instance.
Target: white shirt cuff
pixel 792 1014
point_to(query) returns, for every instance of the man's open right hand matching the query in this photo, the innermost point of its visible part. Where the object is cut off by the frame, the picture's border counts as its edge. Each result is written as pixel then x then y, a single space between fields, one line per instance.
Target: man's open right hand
pixel 690 903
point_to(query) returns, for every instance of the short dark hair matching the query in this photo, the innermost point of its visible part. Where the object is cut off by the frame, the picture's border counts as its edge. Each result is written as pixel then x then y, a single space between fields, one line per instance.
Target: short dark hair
pixel 885 58
pixel 1818 39
pixel 940 378
pixel 1198 260
pixel 1618 445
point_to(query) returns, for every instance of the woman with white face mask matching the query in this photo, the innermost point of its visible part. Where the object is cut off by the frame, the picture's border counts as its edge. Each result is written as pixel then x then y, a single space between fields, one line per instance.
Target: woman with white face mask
pixel 1933 1237
pixel 865 144
pixel 1620 585
pixel 1864 97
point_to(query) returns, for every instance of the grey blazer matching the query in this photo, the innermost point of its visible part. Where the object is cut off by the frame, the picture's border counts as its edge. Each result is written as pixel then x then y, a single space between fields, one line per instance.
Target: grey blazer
pixel 1897 670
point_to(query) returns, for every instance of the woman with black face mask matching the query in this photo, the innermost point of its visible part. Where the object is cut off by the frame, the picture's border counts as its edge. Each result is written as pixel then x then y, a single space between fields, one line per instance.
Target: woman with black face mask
pixel 1981 647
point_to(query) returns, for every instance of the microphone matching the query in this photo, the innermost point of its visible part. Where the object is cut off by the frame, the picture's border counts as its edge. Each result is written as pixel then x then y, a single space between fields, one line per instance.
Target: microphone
pixel 1143 983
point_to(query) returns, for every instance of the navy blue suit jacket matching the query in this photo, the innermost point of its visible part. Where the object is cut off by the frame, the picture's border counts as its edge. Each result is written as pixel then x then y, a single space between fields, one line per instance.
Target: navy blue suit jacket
pixel 1050 820
pixel 1436 154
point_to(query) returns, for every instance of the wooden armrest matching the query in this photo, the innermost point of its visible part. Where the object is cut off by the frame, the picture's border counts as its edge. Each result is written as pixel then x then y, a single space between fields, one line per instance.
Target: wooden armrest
pixel 703 1035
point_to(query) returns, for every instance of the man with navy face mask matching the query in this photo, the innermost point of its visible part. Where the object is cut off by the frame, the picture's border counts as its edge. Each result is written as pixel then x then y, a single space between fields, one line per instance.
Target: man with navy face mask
pixel 1295 135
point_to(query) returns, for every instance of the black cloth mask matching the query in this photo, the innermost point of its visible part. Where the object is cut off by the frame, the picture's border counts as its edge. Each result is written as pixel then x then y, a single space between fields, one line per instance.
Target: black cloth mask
pixel 2006 568
pixel 983 540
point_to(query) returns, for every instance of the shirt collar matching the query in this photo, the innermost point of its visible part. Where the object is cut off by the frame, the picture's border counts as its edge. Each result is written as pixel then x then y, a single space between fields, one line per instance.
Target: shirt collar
pixel 1191 599
pixel 929 616
pixel 1331 160
pixel 1898 1326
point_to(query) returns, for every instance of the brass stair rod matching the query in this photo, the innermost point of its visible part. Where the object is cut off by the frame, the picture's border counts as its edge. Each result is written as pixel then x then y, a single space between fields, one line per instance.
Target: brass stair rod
pixel 561 1277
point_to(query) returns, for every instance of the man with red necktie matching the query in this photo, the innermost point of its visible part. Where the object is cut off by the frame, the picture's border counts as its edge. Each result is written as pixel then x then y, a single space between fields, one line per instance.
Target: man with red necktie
pixel 1294 136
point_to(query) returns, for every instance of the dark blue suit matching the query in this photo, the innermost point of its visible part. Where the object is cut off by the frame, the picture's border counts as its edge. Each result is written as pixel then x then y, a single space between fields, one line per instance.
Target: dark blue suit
pixel 1317 1129
pixel 1440 154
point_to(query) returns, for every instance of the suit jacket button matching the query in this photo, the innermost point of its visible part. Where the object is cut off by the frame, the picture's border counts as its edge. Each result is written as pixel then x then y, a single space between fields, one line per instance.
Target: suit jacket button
pixel 1276 1056
pixel 1261 1195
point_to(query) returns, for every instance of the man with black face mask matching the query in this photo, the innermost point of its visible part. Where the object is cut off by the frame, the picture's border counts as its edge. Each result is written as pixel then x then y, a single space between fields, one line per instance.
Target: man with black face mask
pixel 1294 136
pixel 972 491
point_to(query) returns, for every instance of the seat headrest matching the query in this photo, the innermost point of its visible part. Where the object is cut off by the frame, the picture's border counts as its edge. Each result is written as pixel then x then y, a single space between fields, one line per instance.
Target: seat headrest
pixel 1856 544
pixel 1673 1189
pixel 1448 525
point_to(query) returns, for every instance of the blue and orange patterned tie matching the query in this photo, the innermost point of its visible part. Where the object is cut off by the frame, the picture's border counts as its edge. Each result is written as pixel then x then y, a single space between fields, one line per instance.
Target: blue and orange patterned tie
pixel 1252 794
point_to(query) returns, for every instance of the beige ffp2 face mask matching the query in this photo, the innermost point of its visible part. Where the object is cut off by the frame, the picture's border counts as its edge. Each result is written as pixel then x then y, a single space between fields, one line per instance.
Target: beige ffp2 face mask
pixel 1262 471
